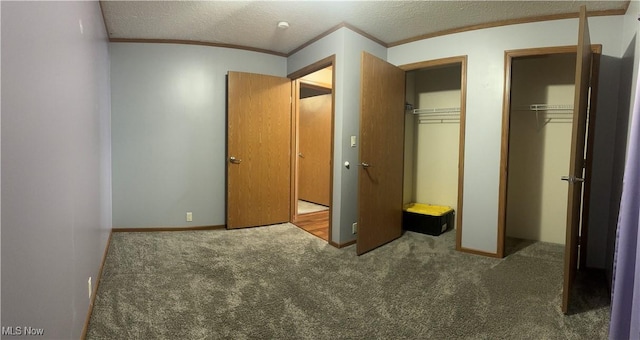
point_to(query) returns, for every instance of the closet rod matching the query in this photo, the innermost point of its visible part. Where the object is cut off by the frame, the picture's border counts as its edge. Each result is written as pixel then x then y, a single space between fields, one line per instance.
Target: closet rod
pixel 438 120
pixel 437 110
pixel 545 107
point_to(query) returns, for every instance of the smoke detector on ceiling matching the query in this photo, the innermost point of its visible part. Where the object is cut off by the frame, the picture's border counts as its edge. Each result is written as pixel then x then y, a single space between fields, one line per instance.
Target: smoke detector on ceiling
pixel 283 25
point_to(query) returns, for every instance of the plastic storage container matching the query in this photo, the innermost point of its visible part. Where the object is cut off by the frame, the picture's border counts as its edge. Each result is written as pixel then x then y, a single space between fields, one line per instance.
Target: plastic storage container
pixel 427 219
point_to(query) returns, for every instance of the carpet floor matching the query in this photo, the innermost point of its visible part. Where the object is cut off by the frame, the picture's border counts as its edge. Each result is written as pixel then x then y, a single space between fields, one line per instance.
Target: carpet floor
pixel 280 282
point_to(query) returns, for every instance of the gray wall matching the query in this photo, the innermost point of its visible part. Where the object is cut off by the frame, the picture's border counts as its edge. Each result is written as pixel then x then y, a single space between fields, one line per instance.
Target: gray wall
pixel 169 130
pixel 56 212
pixel 347 46
pixel 169 127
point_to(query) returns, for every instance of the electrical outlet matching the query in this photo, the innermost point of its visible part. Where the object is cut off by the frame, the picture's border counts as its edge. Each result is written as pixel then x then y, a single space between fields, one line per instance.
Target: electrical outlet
pixel 189 216
pixel 354 228
pixel 89 286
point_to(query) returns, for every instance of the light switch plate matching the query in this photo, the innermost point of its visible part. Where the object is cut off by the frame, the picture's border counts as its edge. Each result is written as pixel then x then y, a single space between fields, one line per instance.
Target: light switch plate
pixel 353 141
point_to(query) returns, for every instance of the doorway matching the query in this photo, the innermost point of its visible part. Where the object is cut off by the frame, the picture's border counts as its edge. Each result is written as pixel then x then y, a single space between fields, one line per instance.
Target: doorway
pixel 548 120
pixel 541 115
pixel 538 123
pixel 312 149
pixel 386 166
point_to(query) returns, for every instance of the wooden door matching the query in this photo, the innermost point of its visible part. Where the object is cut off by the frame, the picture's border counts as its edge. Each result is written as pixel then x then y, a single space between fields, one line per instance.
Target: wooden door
pixel 314 153
pixel 381 153
pixel 576 166
pixel 258 149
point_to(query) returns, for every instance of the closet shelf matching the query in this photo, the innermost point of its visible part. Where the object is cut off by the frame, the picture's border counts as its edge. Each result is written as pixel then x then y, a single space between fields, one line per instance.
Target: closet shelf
pixel 436 110
pixel 433 118
pixel 437 115
pixel 547 113
pixel 545 107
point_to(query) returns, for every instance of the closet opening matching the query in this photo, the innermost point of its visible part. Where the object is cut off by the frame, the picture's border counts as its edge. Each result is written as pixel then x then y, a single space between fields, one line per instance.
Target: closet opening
pixel 312 153
pixel 536 148
pixel 434 136
pixel 542 93
pixel 549 114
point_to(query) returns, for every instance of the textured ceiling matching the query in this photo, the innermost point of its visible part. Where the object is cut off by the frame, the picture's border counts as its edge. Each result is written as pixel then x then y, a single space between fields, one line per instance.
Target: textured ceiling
pixel 253 23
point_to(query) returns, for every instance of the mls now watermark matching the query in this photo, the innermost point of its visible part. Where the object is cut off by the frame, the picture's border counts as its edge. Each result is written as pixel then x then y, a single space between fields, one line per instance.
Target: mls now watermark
pixel 21 330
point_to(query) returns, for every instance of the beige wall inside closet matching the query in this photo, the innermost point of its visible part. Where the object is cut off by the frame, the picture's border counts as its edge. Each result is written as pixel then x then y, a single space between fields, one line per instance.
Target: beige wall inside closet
pixel 539 147
pixel 431 144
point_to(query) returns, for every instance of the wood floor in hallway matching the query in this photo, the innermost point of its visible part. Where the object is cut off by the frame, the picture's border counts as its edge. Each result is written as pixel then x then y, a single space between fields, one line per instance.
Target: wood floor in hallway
pixel 315 223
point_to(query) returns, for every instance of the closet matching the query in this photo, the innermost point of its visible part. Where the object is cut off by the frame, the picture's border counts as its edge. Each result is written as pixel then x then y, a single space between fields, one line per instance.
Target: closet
pixel 547 147
pixel 435 99
pixel 541 109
